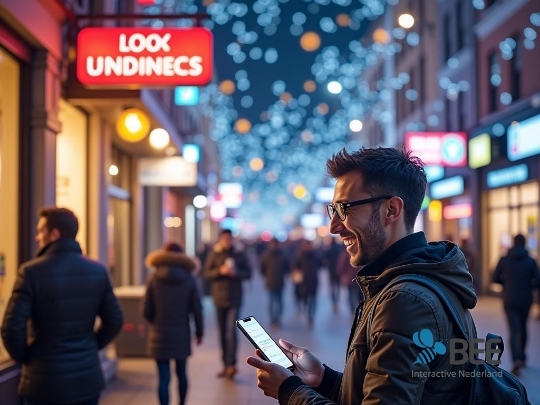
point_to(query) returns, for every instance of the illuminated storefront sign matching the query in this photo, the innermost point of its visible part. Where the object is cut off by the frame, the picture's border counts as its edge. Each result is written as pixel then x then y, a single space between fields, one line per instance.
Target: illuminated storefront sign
pixel 186 95
pixel 448 149
pixel 457 211
pixel 507 176
pixel 133 57
pixel 434 172
pixel 524 138
pixel 480 151
pixel 171 171
pixel 449 187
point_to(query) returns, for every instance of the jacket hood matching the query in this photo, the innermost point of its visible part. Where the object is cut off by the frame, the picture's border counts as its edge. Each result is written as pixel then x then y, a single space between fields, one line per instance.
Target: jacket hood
pixel 172 267
pixel 518 253
pixel 442 261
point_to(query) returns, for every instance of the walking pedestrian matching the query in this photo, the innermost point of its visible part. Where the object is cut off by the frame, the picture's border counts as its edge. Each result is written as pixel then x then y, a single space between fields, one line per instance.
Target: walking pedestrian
pixel 330 257
pixel 518 273
pixel 226 267
pixel 171 299
pixel 307 262
pixel 347 275
pixel 59 294
pixel 275 266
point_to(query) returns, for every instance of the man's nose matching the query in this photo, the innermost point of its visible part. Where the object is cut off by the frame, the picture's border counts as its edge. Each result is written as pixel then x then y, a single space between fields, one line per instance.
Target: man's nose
pixel 336 226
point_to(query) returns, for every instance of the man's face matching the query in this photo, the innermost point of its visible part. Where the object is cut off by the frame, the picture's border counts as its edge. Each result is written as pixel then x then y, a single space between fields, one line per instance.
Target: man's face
pixel 225 240
pixel 43 236
pixel 361 231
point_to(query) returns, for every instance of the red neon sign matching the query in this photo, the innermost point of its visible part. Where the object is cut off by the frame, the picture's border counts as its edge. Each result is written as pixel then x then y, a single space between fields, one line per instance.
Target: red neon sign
pixel 132 57
pixel 447 149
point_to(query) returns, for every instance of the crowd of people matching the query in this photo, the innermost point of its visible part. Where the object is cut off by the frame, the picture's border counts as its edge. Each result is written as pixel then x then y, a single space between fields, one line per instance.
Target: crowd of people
pixel 377 198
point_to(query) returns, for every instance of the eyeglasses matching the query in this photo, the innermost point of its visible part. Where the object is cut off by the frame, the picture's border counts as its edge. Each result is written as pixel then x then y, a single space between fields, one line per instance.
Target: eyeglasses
pixel 341 208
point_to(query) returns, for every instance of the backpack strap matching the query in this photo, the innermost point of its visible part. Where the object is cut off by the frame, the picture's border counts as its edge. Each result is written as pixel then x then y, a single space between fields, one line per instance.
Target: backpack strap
pixel 447 302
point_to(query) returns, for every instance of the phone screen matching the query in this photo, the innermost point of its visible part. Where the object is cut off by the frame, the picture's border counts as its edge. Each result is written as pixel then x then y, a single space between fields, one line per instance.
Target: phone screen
pixel 262 340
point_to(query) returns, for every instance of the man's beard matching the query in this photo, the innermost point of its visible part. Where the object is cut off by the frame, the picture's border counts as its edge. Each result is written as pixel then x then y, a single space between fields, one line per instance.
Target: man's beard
pixel 372 241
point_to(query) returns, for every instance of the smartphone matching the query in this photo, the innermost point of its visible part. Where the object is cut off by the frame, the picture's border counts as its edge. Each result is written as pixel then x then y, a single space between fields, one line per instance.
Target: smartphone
pixel 261 340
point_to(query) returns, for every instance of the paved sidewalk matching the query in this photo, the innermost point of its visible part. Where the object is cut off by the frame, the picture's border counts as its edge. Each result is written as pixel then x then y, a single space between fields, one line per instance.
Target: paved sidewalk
pixel 136 380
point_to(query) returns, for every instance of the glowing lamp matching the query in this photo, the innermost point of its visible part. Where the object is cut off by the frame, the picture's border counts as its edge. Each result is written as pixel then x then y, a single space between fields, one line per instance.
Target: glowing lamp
pixel 159 138
pixel 132 125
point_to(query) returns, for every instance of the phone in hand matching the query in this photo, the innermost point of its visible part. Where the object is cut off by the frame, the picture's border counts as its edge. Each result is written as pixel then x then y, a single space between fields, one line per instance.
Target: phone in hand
pixel 269 349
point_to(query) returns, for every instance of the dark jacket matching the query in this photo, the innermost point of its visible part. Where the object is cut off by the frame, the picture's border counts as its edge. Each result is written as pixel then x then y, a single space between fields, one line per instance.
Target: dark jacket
pixel 274 266
pixel 309 263
pixel 518 273
pixel 385 375
pixel 172 295
pixel 226 290
pixel 60 292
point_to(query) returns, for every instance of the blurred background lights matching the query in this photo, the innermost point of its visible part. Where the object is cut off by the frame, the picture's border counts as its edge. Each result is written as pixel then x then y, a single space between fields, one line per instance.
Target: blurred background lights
pixel 132 125
pixel 191 152
pixel 310 86
pixel 310 41
pixel 406 20
pixel 242 126
pixel 113 170
pixel 334 87
pixel 256 164
pixel 356 125
pixel 381 36
pixel 159 138
pixel 299 191
pixel 227 87
pixel 200 201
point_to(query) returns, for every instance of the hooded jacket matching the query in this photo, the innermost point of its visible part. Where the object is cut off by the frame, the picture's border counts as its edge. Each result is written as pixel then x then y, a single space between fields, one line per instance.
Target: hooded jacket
pixel 60 292
pixel 172 296
pixel 518 273
pixel 391 372
pixel 226 290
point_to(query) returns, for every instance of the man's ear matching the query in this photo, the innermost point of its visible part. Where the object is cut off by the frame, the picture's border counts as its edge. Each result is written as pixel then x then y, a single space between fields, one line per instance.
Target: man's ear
pixel 394 210
pixel 54 234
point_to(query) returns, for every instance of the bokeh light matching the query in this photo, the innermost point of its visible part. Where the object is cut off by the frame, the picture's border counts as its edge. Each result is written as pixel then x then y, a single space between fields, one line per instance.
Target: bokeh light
pixel 256 164
pixel 242 126
pixel 310 41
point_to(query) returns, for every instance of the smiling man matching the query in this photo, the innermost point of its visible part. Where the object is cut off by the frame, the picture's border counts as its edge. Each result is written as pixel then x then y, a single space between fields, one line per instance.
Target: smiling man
pixel 377 198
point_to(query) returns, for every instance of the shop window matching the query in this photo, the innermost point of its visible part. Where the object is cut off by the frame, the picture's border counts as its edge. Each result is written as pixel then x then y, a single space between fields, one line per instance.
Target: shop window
pixel 9 181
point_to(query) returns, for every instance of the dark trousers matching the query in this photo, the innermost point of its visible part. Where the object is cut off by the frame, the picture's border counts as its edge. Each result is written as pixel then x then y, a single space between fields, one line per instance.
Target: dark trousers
pixel 91 401
pixel 226 318
pixel 164 371
pixel 517 323
pixel 276 305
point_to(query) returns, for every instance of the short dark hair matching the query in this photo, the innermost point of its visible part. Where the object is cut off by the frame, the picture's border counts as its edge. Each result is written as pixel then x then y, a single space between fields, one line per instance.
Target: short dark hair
pixel 173 247
pixel 519 240
pixel 226 232
pixel 386 171
pixel 62 219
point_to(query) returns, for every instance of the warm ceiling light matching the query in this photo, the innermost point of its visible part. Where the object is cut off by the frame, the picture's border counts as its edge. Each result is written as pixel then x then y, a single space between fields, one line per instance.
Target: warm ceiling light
pixel 159 138
pixel 132 125
pixel 310 41
pixel 406 20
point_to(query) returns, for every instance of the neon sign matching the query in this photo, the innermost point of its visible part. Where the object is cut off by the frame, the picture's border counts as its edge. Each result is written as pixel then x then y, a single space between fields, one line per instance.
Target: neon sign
pixel 133 57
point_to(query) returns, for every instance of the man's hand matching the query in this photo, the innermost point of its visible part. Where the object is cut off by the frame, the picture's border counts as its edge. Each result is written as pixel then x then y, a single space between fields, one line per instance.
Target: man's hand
pixel 307 366
pixel 269 375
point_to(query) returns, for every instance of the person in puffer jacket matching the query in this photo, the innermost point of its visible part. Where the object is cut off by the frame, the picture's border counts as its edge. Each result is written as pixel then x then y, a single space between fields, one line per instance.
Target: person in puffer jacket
pixel 377 197
pixel 171 299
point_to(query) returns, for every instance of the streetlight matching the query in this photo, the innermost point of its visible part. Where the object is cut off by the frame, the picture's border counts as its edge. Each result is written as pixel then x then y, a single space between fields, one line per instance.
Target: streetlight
pixel 406 20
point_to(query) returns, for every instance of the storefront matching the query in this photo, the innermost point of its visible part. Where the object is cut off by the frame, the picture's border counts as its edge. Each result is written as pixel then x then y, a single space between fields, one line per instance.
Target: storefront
pixel 505 155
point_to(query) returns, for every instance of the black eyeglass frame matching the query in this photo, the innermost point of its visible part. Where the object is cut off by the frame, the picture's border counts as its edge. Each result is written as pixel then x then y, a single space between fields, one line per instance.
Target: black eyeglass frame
pixel 343 206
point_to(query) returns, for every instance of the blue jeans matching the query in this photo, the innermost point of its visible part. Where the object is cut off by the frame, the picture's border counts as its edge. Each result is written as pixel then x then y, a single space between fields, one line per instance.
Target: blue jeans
pixel 226 318
pixel 164 371
pixel 91 401
pixel 276 305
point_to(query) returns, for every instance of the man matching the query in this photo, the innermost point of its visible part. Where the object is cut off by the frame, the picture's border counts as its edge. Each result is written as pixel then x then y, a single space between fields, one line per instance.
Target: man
pixel 377 198
pixel 519 275
pixel 60 293
pixel 226 267
pixel 274 267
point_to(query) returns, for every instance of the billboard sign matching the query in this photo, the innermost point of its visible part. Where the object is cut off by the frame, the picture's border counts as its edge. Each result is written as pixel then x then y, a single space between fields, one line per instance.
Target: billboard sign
pixel 133 57
pixel 524 138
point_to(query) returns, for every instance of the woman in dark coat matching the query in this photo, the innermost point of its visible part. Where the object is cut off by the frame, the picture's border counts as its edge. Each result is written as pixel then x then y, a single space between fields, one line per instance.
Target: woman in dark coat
pixel 308 262
pixel 171 297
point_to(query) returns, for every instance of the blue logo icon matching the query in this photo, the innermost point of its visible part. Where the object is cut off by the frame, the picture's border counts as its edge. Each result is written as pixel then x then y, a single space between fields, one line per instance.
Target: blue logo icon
pixel 424 339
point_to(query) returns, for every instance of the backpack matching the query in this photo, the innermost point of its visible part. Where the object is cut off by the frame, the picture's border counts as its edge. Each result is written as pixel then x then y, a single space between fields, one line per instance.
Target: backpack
pixel 505 390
